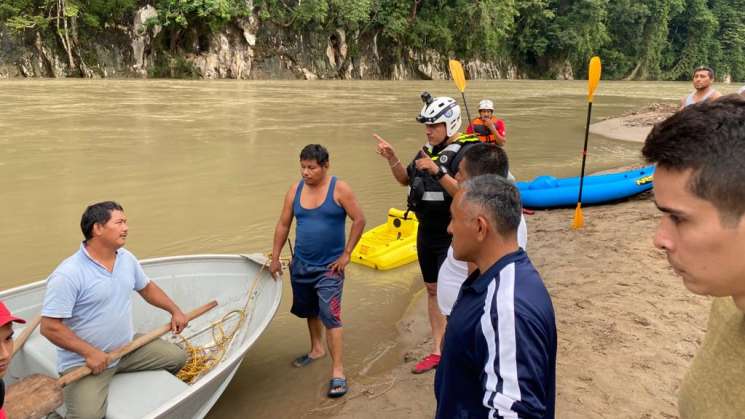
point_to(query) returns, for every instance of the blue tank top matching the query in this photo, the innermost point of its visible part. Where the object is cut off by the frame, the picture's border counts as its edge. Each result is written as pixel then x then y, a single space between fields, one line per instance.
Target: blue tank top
pixel 319 235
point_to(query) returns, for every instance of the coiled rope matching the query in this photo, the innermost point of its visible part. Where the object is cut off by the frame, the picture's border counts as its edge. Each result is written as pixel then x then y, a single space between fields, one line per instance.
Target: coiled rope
pixel 202 359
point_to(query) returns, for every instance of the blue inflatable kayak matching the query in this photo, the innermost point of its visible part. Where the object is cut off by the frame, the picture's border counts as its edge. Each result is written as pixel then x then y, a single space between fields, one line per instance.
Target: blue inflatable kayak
pixel 549 192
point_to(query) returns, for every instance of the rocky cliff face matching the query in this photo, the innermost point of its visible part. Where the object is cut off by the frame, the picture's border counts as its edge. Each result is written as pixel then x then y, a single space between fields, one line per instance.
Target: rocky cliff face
pixel 245 49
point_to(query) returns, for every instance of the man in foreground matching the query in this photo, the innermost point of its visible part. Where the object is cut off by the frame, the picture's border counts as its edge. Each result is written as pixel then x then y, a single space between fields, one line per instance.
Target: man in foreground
pixel 698 186
pixel 87 312
pixel 6 348
pixel 499 353
pixel 703 78
pixel 321 204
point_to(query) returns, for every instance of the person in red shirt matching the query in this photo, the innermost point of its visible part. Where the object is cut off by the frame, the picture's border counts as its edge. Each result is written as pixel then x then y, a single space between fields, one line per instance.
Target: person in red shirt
pixel 6 348
pixel 487 127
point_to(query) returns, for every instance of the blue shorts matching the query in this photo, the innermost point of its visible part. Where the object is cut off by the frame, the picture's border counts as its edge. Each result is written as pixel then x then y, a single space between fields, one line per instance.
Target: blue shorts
pixel 316 292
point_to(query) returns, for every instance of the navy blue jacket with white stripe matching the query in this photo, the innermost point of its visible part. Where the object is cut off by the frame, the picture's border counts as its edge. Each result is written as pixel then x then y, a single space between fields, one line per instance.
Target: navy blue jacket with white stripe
pixel 499 352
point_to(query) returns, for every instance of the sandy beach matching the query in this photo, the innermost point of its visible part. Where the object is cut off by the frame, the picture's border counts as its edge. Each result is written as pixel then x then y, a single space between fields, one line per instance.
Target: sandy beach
pixel 635 125
pixel 627 327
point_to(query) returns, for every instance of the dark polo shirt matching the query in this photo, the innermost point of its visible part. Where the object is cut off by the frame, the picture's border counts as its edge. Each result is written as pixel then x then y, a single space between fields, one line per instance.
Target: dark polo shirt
pixel 499 352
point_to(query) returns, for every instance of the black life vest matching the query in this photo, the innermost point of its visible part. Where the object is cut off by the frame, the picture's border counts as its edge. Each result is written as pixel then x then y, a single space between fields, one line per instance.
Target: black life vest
pixel 427 198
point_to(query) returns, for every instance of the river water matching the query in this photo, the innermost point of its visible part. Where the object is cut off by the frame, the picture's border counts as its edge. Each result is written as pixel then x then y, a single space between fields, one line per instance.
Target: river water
pixel 202 167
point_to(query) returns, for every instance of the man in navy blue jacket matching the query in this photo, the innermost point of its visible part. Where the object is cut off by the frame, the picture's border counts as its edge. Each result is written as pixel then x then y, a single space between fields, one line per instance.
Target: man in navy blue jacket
pixel 499 353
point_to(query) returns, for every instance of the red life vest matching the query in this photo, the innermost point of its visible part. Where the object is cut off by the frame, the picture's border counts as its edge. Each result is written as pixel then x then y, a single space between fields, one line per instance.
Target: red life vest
pixel 482 131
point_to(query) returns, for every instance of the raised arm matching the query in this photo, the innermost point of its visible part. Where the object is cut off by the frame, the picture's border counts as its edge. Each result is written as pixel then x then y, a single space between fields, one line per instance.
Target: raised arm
pixel 282 231
pixel 500 139
pixel 397 168
pixel 349 202
pixel 155 296
pixel 447 181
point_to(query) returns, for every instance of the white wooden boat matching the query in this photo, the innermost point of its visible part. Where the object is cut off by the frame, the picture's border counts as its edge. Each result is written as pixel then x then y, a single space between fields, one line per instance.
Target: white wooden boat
pixel 190 281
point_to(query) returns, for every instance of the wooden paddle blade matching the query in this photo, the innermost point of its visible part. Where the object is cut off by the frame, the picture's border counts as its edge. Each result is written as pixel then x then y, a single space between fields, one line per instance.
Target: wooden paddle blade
pixel 594 77
pixel 579 218
pixel 456 72
pixel 23 337
pixel 34 397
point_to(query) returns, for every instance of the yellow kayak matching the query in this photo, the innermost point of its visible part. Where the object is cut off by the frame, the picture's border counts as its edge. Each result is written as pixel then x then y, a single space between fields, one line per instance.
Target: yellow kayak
pixel 389 245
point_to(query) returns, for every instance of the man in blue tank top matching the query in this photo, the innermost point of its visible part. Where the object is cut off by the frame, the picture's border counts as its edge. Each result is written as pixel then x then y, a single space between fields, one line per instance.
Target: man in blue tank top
pixel 321 204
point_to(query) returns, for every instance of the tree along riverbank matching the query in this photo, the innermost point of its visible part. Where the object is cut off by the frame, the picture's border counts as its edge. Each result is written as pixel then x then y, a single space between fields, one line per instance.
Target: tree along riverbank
pixel 369 39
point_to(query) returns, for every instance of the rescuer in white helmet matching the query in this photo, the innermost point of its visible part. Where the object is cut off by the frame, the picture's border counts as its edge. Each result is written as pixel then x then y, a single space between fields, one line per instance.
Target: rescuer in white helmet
pixel 487 127
pixel 431 180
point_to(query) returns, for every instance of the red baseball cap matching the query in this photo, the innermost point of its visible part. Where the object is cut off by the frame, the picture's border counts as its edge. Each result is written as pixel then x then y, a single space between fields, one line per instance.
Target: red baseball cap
pixel 6 317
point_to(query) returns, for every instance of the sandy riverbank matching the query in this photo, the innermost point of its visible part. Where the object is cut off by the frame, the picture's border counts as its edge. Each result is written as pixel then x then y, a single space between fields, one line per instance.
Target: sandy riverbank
pixel 627 326
pixel 635 125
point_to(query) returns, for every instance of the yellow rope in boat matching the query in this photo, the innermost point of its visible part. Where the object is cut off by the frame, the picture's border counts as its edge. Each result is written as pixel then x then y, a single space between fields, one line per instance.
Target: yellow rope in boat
pixel 202 359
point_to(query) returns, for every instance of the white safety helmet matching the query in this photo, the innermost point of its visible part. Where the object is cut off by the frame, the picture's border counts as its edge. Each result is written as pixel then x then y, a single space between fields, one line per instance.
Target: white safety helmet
pixel 486 104
pixel 440 110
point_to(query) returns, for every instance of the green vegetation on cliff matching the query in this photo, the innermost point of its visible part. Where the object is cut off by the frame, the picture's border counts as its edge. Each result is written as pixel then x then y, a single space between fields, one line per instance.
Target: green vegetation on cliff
pixel 637 39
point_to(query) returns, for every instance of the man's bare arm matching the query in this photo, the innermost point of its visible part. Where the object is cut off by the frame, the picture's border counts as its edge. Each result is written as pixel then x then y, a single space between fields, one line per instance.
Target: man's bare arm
pixel 348 201
pixel 155 296
pixel 282 230
pixel 62 336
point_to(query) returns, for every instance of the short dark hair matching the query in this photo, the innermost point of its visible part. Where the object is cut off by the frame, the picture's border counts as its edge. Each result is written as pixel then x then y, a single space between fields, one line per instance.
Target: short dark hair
pixel 315 152
pixel 704 68
pixel 98 213
pixel 709 138
pixel 486 159
pixel 498 197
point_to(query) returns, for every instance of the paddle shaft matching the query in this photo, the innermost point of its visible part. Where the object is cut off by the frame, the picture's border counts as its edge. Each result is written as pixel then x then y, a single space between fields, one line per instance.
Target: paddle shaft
pixel 134 345
pixel 468 114
pixel 23 337
pixel 584 152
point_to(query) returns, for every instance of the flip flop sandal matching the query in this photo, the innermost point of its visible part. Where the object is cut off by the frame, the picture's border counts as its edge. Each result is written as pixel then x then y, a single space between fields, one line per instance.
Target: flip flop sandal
pixel 303 361
pixel 337 387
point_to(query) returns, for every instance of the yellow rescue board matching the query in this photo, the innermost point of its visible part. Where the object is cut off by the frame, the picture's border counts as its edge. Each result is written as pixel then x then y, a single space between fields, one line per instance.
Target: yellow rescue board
pixel 389 245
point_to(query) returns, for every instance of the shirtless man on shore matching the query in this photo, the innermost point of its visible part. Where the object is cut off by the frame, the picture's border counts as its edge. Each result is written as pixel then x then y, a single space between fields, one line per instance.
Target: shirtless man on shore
pixel 703 78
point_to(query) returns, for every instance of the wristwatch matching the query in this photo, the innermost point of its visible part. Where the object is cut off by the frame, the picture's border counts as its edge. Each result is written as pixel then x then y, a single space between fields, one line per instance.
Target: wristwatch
pixel 441 171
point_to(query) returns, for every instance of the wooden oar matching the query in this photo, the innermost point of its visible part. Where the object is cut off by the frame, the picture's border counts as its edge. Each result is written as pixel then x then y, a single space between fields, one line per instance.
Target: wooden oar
pixel 39 395
pixel 23 337
pixel 593 79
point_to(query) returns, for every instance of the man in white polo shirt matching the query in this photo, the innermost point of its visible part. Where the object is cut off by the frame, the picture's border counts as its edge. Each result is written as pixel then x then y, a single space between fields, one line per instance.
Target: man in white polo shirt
pixel 87 312
pixel 479 159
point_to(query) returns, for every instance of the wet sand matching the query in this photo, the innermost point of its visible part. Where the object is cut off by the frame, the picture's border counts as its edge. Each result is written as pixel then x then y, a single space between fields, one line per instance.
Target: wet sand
pixel 627 326
pixel 634 126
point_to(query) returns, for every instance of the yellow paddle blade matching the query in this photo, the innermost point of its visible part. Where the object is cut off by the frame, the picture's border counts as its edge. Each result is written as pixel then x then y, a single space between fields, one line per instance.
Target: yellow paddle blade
pixel 456 72
pixel 579 218
pixel 594 77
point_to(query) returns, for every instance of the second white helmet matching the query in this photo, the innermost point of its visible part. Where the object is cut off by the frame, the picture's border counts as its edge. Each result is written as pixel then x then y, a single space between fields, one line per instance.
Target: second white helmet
pixel 486 104
pixel 441 110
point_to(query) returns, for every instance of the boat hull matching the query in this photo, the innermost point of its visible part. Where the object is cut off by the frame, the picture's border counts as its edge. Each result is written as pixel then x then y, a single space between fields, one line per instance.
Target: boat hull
pixel 550 192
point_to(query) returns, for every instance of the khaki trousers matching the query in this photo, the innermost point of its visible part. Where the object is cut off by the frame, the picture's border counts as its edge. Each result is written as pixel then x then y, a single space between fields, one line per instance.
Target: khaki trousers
pixel 87 397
